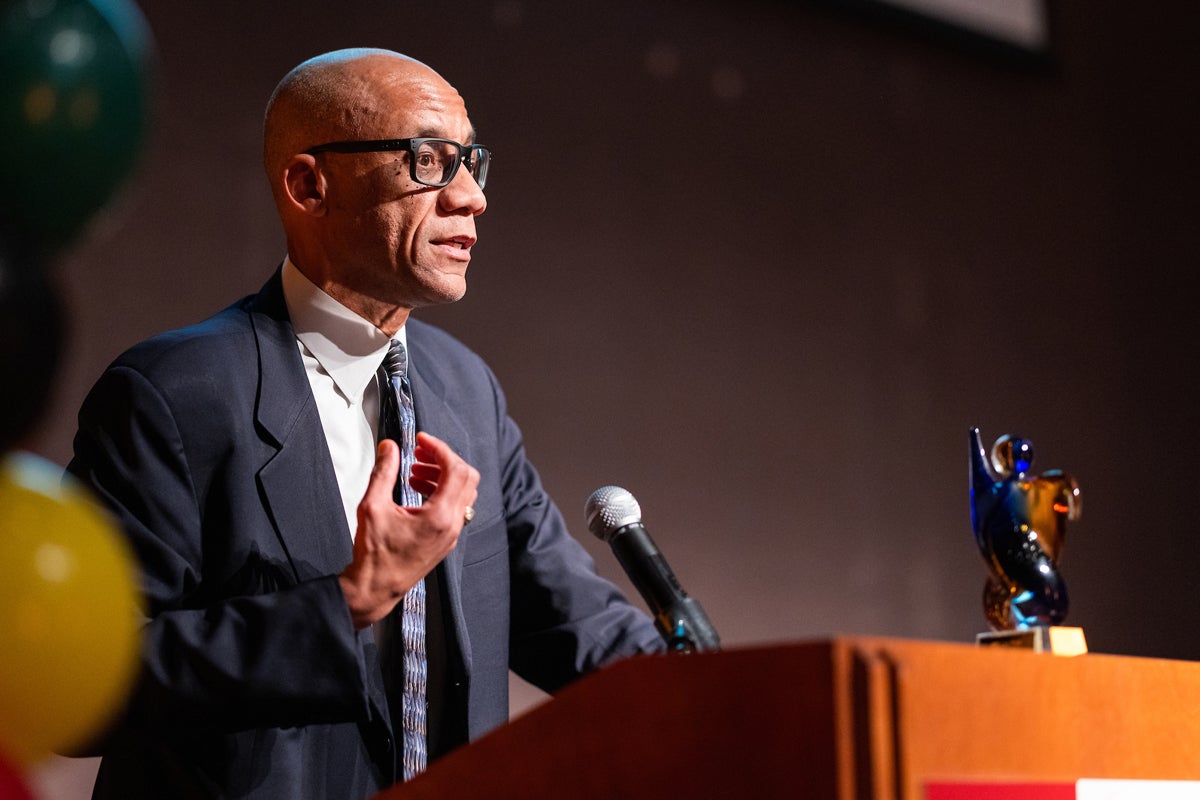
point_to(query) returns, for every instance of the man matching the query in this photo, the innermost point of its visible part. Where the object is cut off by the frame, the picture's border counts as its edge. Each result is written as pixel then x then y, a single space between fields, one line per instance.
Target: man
pixel 240 457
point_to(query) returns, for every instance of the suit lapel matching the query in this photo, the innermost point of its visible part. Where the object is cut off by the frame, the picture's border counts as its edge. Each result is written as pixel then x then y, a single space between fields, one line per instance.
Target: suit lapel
pixel 434 416
pixel 298 484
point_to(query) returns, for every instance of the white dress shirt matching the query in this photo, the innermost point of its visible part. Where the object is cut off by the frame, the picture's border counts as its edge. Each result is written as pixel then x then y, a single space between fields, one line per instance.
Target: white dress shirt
pixel 341 352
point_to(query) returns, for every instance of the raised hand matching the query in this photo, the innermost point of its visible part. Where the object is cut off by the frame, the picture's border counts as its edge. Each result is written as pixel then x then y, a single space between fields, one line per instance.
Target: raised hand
pixel 396 546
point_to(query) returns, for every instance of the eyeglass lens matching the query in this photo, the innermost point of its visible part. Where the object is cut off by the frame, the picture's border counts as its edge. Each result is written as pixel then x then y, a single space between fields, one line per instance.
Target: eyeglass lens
pixel 435 162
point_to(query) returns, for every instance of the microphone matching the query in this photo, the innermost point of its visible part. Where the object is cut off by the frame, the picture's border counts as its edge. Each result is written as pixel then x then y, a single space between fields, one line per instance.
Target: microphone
pixel 614 516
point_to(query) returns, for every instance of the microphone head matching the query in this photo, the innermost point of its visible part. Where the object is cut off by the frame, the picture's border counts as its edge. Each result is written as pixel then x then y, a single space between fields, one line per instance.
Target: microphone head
pixel 609 509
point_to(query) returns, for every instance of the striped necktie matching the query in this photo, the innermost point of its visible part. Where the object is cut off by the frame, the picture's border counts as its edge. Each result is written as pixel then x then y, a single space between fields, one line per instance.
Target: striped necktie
pixel 398 422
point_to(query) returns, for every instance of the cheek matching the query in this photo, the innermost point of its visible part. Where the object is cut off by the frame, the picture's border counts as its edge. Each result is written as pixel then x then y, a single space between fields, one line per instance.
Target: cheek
pixel 395 227
pixel 401 225
pixel 413 226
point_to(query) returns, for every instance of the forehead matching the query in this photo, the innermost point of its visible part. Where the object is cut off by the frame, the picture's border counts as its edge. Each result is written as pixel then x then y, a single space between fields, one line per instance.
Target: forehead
pixel 412 100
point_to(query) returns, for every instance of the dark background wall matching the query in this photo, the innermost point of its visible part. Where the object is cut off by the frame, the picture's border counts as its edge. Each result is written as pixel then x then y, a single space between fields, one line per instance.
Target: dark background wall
pixel 762 264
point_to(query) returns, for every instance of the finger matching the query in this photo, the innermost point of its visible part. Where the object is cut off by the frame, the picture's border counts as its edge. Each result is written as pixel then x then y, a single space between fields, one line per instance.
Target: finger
pixel 383 474
pixel 432 450
pixel 459 487
pixel 456 480
pixel 428 472
pixel 426 439
pixel 433 453
pixel 423 488
pixel 424 478
pixel 427 488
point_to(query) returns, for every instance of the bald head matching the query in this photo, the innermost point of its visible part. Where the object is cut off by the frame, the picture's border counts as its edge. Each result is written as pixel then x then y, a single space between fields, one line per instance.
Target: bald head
pixel 335 96
pixel 361 225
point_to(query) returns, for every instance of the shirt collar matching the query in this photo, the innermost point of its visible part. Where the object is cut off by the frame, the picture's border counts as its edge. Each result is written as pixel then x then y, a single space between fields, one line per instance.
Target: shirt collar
pixel 348 347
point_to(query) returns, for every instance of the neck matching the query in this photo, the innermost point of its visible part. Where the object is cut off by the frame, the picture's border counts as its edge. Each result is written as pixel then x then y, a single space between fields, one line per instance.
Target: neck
pixel 387 317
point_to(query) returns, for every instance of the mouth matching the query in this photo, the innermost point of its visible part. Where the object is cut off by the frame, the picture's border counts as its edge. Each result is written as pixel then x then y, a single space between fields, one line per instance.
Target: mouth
pixel 463 242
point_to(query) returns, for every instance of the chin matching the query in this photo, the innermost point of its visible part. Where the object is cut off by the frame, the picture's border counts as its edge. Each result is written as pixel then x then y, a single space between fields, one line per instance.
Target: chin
pixel 443 294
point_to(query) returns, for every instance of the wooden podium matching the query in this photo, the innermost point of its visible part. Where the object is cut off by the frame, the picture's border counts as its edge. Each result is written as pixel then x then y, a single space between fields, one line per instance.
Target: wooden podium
pixel 844 719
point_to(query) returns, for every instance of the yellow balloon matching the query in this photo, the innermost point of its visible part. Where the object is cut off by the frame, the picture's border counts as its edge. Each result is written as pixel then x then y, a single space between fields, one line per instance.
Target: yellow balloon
pixel 70 617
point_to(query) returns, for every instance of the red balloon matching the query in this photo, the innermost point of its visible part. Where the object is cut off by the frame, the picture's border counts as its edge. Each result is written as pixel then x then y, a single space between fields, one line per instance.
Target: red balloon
pixel 12 784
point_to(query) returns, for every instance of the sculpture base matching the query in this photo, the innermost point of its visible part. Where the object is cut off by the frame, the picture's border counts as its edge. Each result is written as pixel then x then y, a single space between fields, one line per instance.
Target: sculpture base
pixel 1057 639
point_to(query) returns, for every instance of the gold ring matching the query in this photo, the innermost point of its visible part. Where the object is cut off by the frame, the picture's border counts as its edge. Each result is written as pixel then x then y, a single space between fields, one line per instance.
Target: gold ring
pixel 468 514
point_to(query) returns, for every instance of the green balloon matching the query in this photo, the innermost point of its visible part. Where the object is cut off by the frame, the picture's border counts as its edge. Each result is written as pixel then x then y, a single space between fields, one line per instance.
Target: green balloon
pixel 74 110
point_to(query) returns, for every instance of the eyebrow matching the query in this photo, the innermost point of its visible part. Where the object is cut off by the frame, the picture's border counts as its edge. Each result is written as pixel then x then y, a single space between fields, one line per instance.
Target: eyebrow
pixel 429 133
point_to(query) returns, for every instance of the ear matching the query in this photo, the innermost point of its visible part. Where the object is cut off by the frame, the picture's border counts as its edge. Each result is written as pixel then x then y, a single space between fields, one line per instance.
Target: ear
pixel 304 185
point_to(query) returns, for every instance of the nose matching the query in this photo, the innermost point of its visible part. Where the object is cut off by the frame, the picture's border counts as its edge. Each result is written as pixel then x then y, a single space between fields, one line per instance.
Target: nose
pixel 463 195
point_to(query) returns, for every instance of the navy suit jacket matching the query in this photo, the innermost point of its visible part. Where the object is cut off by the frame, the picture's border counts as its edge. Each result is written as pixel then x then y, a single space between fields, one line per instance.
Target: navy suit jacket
pixel 207 444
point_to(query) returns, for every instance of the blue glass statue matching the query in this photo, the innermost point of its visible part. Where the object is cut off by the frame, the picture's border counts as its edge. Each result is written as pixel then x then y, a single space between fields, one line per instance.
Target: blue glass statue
pixel 1020 523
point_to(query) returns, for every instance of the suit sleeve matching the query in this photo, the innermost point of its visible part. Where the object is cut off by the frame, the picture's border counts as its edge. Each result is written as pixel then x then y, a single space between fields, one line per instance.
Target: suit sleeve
pixel 283 653
pixel 566 620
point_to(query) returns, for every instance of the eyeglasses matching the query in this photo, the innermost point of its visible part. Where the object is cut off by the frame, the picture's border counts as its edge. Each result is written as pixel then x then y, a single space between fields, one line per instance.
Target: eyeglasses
pixel 433 162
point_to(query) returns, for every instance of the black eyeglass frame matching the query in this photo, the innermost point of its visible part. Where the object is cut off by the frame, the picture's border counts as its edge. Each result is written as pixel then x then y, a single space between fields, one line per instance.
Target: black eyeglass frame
pixel 466 154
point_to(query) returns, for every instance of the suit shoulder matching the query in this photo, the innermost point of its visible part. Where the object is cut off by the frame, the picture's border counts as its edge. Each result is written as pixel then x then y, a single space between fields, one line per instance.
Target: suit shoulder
pixel 436 343
pixel 213 344
pixel 443 359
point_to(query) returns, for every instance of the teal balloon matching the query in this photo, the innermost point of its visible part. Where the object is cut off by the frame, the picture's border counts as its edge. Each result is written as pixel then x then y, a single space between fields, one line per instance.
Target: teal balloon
pixel 74 111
